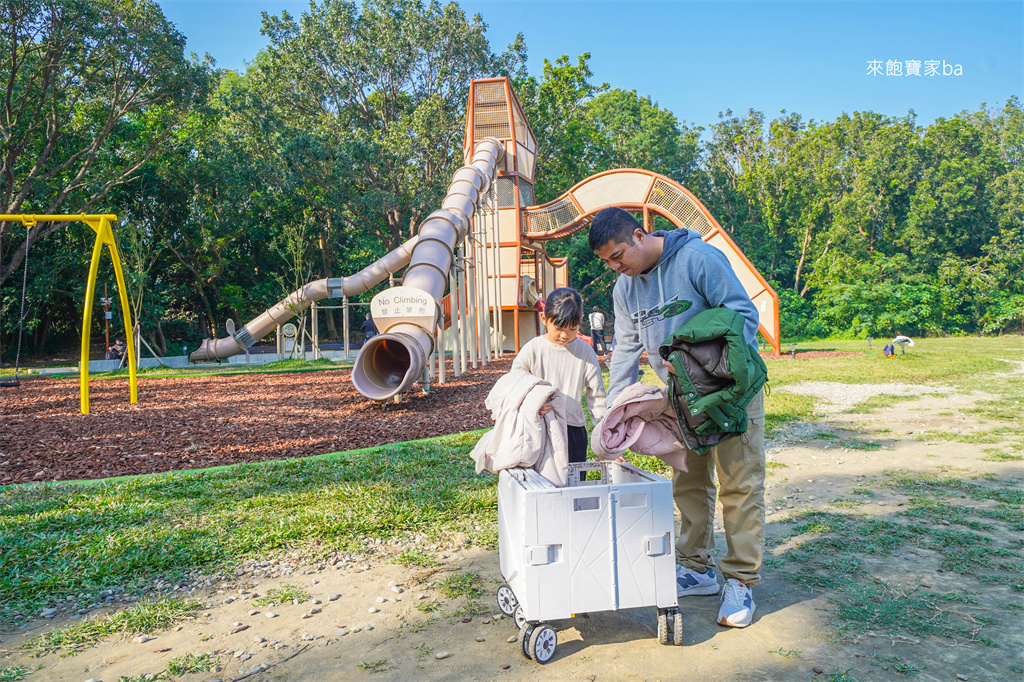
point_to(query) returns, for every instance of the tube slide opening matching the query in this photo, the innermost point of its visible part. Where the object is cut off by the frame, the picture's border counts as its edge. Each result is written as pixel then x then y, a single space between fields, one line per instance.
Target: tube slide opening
pixel 386 366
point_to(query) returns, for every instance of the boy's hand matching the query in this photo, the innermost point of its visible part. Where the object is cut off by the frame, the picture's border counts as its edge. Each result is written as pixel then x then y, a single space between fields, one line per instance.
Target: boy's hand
pixel 669 366
pixel 544 409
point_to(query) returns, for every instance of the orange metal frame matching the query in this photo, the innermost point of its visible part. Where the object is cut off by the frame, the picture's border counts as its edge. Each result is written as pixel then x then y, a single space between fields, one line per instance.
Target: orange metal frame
pixel 517 170
pixel 646 208
pixel 522 169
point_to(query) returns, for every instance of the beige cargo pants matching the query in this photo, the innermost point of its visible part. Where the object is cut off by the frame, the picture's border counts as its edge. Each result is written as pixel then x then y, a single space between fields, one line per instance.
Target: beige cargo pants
pixel 739 463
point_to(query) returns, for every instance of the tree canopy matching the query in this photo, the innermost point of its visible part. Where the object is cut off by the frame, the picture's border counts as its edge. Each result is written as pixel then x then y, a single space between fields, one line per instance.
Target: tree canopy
pixel 343 133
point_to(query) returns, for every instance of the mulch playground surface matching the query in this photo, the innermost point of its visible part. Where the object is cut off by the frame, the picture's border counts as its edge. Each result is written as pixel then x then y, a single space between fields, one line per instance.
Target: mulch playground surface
pixel 204 421
pixel 198 422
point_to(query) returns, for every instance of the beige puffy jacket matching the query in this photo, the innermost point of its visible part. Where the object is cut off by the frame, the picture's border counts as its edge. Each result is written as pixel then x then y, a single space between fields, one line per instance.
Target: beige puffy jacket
pixel 520 436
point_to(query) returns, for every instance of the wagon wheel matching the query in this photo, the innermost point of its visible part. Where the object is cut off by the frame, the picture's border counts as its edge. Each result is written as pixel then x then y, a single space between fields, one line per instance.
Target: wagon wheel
pixel 542 643
pixel 507 601
pixel 662 626
pixel 519 616
pixel 677 628
pixel 525 633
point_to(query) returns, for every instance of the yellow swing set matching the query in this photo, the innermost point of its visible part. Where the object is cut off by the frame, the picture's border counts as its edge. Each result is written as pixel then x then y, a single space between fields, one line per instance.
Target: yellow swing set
pixel 100 224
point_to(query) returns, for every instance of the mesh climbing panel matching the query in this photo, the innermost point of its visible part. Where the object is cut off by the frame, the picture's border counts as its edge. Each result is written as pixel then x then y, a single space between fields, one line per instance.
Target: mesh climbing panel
pixel 552 217
pixel 676 203
pixel 525 193
pixel 506 190
pixel 490 112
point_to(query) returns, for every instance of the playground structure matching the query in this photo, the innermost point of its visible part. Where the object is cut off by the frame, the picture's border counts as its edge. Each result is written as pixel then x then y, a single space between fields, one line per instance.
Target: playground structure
pixel 487 244
pixel 100 224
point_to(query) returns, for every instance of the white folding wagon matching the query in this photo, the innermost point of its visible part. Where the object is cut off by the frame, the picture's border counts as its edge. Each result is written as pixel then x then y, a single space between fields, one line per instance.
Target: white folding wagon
pixel 596 545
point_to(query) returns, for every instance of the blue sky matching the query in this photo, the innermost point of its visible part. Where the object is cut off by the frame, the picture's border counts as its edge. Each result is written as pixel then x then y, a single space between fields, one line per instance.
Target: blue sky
pixel 699 58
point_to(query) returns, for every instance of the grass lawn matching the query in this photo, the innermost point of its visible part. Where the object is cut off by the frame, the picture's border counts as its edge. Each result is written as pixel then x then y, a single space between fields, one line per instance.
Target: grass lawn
pixel 79 539
pixel 62 539
pixel 949 360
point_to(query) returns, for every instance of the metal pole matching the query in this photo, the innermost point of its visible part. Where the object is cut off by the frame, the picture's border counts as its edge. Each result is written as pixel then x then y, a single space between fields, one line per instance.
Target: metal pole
pixel 496 255
pixel 485 284
pixel 430 367
pixel 464 326
pixel 453 307
pixel 316 333
pixel 443 336
pixel 471 305
pixel 344 322
pixel 481 312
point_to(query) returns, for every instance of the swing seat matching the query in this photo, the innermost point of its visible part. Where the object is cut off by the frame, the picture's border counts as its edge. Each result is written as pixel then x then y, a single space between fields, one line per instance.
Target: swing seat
pixel 10 384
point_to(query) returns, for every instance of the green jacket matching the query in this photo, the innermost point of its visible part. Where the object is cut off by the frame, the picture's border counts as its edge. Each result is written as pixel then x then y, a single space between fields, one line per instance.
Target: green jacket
pixel 717 374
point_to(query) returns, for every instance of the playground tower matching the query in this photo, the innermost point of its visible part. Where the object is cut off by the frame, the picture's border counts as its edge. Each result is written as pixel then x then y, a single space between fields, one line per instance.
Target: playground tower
pixel 486 246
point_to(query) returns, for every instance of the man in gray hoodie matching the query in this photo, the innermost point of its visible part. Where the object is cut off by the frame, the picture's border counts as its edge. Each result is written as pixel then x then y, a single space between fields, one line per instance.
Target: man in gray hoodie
pixel 665 278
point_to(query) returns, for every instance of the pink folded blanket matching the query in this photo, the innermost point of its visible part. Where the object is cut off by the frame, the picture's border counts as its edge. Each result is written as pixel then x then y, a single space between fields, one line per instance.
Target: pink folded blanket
pixel 641 420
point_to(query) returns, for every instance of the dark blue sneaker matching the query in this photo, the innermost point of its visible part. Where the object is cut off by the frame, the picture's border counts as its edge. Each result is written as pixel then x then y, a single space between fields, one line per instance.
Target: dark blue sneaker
pixel 690 583
pixel 737 608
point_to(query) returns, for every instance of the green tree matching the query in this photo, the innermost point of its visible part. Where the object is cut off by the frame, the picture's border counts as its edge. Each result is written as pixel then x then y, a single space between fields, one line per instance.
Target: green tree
pixel 634 132
pixel 569 145
pixel 370 100
pixel 92 88
pixel 951 209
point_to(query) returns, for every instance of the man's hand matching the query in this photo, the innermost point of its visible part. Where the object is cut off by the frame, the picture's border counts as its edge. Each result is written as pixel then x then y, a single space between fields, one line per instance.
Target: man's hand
pixel 544 409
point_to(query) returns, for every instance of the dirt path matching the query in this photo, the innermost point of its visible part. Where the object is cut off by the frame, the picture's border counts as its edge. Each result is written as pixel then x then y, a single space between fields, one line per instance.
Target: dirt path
pixel 834 466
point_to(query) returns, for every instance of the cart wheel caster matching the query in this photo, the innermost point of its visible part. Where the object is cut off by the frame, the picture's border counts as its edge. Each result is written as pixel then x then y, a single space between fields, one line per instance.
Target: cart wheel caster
pixel 525 633
pixel 507 601
pixel 542 643
pixel 670 626
pixel 519 616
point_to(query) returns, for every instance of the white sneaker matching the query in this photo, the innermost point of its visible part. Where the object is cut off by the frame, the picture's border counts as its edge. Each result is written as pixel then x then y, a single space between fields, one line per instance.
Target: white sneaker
pixel 737 608
pixel 690 583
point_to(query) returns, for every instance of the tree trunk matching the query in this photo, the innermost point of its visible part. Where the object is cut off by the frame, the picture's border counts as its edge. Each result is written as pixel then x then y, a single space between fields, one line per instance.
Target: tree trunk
pixel 42 331
pixel 162 345
pixel 326 256
pixel 803 258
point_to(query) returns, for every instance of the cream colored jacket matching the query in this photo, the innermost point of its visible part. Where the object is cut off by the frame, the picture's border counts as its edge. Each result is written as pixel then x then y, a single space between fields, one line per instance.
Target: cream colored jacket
pixel 521 437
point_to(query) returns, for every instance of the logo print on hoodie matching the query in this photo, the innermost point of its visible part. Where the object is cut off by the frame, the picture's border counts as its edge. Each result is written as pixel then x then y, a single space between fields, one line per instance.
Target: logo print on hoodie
pixel 645 318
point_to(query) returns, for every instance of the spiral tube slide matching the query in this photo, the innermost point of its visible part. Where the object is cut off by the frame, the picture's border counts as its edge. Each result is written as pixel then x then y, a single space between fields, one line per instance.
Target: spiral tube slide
pixel 390 363
pixel 300 299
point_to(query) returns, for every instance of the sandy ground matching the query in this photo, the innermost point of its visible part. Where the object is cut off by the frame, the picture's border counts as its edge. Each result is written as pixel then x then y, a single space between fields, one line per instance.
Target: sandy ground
pixel 608 645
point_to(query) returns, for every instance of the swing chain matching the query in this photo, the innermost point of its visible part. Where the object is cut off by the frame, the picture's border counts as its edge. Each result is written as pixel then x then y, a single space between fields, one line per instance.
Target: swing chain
pixel 29 224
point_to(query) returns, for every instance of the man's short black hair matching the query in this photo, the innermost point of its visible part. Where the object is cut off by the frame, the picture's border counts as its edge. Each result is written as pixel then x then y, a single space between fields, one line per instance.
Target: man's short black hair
pixel 612 224
pixel 564 308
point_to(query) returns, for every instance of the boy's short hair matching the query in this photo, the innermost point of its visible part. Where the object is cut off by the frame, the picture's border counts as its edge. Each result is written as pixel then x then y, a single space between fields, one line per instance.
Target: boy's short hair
pixel 612 224
pixel 564 308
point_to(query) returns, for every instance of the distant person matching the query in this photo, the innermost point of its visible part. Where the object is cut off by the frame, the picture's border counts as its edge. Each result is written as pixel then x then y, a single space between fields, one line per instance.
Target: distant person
pixel 368 328
pixel 567 363
pixel 116 352
pixel 889 350
pixel 597 332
